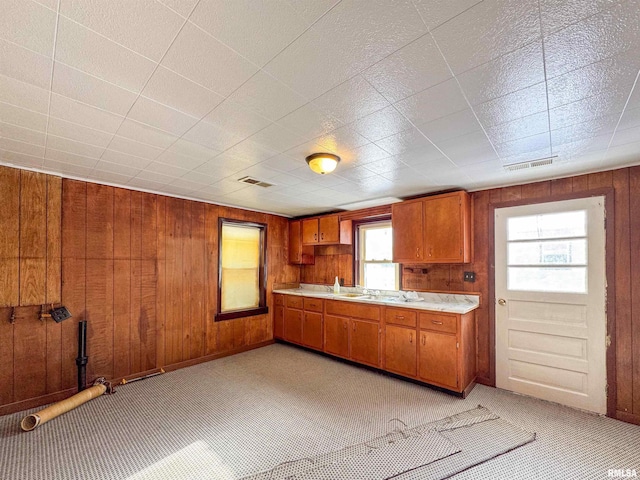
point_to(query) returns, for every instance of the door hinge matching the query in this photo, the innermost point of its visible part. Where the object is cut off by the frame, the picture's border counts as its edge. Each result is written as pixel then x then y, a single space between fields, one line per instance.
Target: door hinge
pixel 457 345
pixel 606 390
pixel 607 341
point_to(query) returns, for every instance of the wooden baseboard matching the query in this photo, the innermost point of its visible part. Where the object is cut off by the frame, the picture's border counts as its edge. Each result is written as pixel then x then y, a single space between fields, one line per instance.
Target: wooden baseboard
pixel 36 401
pixel 628 417
pixel 61 395
pixel 485 381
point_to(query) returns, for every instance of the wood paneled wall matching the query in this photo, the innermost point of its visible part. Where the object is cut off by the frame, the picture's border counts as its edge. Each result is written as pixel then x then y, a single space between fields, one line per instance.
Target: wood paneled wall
pixel 330 260
pixel 624 307
pixel 142 269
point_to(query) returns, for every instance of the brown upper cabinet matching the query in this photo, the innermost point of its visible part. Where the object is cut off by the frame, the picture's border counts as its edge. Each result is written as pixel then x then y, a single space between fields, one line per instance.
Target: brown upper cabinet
pixel 299 254
pixel 326 230
pixel 433 229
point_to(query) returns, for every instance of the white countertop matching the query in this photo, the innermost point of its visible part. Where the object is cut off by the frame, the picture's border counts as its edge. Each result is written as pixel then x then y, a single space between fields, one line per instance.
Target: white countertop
pixel 438 302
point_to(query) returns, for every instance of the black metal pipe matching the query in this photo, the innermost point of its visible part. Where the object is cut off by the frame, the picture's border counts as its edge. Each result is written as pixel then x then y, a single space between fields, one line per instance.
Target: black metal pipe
pixel 82 359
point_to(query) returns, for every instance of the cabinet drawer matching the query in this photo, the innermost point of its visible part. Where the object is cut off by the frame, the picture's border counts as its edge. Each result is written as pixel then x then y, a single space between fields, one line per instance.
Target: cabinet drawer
pixel 279 299
pixel 353 309
pixel 400 316
pixel 439 322
pixel 313 304
pixel 295 302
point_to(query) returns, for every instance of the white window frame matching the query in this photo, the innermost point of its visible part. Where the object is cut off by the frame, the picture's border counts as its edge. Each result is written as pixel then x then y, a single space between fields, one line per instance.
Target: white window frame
pixel 361 233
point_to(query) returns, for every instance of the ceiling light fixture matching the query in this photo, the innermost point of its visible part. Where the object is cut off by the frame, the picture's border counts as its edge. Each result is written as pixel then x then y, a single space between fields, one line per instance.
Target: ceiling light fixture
pixel 323 162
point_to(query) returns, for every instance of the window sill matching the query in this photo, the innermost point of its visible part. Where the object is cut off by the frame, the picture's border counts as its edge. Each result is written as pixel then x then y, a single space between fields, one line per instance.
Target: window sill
pixel 220 317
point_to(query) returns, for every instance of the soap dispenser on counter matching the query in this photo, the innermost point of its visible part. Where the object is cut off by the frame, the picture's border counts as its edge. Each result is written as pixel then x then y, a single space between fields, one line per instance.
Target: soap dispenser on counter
pixel 336 286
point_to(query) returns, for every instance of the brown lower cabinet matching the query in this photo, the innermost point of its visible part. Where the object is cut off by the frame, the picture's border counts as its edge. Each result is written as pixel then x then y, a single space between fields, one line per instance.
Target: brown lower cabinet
pixel 432 347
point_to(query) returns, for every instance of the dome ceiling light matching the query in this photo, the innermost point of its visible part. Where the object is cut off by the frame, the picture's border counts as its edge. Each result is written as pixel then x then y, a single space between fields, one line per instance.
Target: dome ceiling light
pixel 323 163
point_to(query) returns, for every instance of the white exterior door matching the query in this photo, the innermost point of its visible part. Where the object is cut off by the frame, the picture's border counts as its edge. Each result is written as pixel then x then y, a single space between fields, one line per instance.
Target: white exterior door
pixel 550 301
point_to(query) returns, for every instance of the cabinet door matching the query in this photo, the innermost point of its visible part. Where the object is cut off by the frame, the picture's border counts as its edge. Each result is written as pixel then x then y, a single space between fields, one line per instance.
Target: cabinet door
pixel 310 231
pixel 278 322
pixel 444 240
pixel 408 232
pixel 293 325
pixel 401 350
pixel 312 330
pixel 438 361
pixel 299 254
pixel 365 342
pixel 329 229
pixel 336 335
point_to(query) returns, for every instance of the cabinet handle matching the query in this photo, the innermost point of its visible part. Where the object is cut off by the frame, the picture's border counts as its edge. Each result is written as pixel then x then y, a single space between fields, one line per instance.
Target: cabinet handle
pixel 400 317
pixel 411 338
pixel 322 236
pixel 424 340
pixel 417 252
pixel 435 322
pixel 430 251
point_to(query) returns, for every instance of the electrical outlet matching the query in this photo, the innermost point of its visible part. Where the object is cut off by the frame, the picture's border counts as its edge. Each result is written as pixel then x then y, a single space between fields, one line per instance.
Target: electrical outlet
pixel 470 277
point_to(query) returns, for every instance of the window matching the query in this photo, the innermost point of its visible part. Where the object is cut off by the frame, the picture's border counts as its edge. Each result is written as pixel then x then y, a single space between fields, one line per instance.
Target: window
pixel 375 251
pixel 548 252
pixel 242 266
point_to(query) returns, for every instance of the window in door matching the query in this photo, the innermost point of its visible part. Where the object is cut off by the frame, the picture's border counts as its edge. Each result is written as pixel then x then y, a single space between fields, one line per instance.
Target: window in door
pixel 375 251
pixel 242 265
pixel 548 252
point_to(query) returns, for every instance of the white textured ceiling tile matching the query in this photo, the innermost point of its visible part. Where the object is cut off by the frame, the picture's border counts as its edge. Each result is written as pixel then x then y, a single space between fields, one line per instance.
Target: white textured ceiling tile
pixel 366 31
pixel 613 75
pixel 469 149
pixel 382 124
pixel 22 118
pixel 28 24
pixel 17 146
pixel 74 111
pixel 91 90
pixel 24 65
pixel 267 96
pixel 600 36
pixel 524 146
pixel 80 48
pixel 506 74
pixel 341 139
pixel 70 158
pixel 79 133
pixel 211 136
pixel 430 154
pixel 50 4
pixel 161 117
pixel 22 134
pixel 172 170
pixel 624 137
pixel 352 100
pixel 309 122
pixel 364 154
pixel 154 176
pixel 148 185
pixel 283 163
pixel 451 126
pixel 277 138
pixel 194 150
pixel 20 160
pixel 608 103
pixel 411 139
pixel 630 118
pixel 585 130
pixel 65 168
pixel 176 160
pixel 385 166
pixel 249 152
pixel 557 14
pixel 413 68
pixel 486 31
pixel 437 12
pixel 268 27
pixel 435 102
pixel 124 159
pixel 355 173
pixel 238 120
pixel 124 170
pixel 180 93
pixel 186 185
pixel 622 155
pixel 282 180
pixel 144 133
pixel 22 94
pixel 518 104
pixel 206 61
pixel 519 128
pixel 198 178
pixel 131 147
pixel 71 146
pixel 145 26
pixel 182 7
pixel 110 177
pixel 311 10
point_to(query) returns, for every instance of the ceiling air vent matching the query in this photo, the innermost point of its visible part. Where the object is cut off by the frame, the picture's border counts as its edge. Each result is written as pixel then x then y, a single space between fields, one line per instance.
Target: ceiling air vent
pixel 530 164
pixel 254 181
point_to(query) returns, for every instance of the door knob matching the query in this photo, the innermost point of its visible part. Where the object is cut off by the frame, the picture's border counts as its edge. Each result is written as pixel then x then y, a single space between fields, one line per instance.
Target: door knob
pixel 502 301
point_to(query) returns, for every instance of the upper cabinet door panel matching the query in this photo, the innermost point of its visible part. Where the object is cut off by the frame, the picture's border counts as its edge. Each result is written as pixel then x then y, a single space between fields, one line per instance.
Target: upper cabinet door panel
pixel 310 231
pixel 447 238
pixel 329 229
pixel 408 232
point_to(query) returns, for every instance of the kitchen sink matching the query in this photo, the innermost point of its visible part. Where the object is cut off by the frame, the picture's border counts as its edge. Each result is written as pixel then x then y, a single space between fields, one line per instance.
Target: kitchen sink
pixel 351 295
